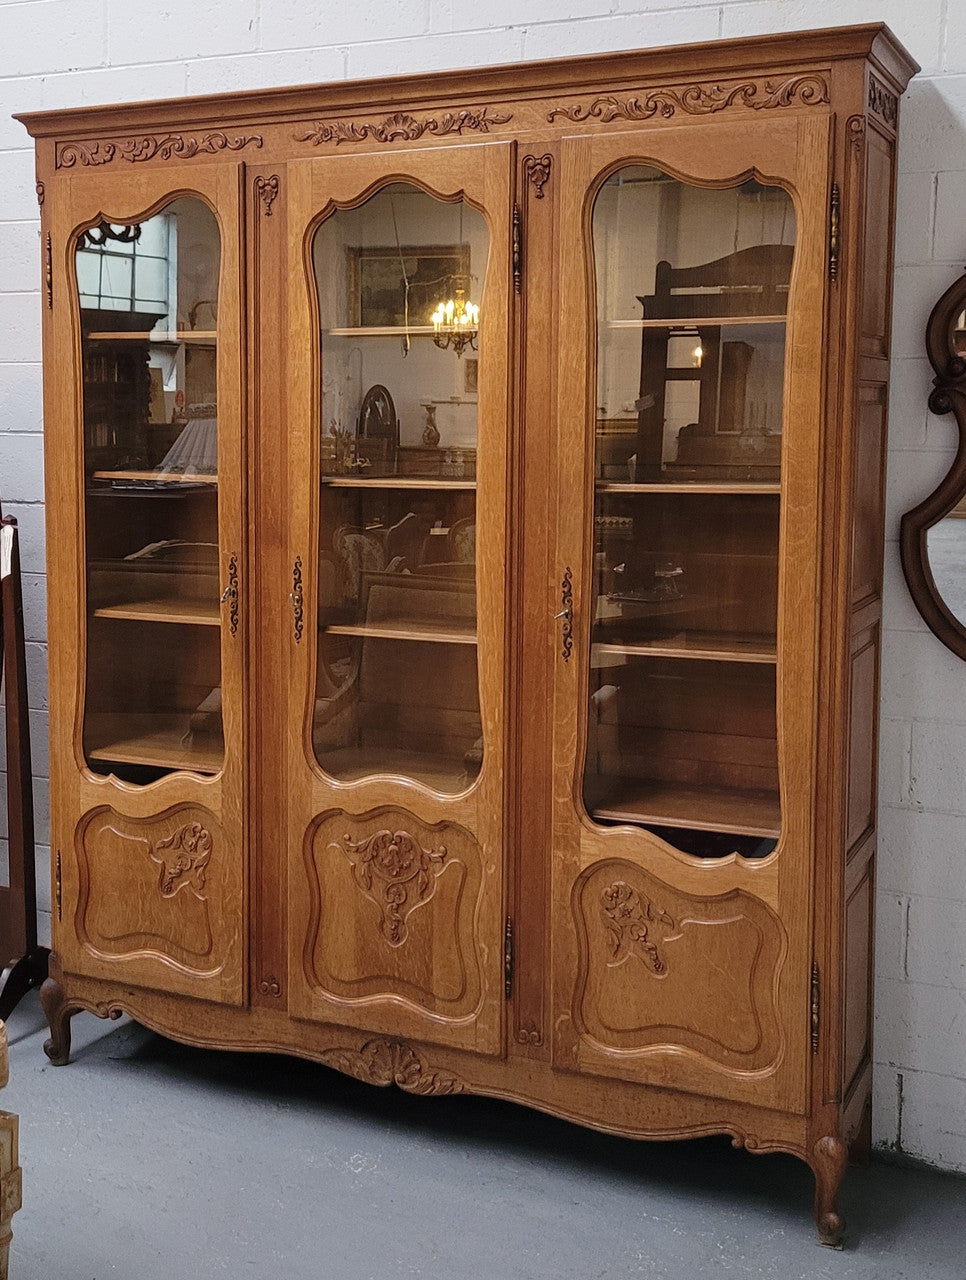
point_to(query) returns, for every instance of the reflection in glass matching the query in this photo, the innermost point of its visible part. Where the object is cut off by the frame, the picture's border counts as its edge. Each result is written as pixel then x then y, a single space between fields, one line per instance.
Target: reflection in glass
pixel 946 551
pixel 148 312
pixel 397 687
pixel 692 289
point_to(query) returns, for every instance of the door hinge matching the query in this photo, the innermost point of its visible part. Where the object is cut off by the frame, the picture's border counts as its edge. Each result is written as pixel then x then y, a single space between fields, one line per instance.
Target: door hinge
pixel 59 890
pixel 508 958
pixel 834 232
pixel 49 270
pixel 517 250
pixel 816 1005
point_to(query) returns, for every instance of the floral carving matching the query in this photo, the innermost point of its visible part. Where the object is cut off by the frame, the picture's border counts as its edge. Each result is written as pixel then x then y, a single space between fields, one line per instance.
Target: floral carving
pixel 183 857
pixel 883 103
pixel 537 171
pixel 267 191
pixel 636 926
pixel 149 147
pixel 396 873
pixel 385 1062
pixel 700 100
pixel 402 125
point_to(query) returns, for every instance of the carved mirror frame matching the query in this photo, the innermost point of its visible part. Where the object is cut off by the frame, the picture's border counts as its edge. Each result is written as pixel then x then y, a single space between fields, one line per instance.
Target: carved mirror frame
pixel 947 396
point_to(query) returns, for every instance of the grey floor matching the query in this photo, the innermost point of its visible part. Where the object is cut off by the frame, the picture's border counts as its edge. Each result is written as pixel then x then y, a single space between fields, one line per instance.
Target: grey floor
pixel 146 1160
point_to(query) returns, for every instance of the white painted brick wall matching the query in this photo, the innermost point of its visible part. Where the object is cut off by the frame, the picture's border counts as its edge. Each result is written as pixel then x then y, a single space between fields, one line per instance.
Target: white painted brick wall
pixel 57 53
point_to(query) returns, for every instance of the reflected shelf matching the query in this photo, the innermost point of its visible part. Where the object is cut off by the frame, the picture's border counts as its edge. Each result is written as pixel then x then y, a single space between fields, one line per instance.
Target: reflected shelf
pixel 382 331
pixel 670 804
pixel 161 741
pixel 203 613
pixel 719 648
pixel 688 486
pixel 439 772
pixel 402 631
pixel 693 322
pixel 206 336
pixel 158 477
pixel 396 482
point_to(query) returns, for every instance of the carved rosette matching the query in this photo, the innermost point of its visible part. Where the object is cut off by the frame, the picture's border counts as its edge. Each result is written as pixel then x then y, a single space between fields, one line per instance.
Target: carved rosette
pixel 183 858
pixel 385 1062
pixel 700 100
pixel 396 873
pixel 401 126
pixel 636 926
pixel 150 147
pixel 883 103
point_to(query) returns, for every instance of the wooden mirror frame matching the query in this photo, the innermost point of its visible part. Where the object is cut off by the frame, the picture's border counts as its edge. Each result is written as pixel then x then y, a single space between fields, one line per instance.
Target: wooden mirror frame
pixel 948 396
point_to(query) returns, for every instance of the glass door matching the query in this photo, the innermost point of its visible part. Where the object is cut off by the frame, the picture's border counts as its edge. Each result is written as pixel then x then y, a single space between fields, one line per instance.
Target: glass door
pixel 688 585
pixel 154 871
pixel 398 634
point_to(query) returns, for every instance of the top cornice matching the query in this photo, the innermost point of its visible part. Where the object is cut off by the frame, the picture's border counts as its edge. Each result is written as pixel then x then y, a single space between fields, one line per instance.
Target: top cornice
pixel 479 84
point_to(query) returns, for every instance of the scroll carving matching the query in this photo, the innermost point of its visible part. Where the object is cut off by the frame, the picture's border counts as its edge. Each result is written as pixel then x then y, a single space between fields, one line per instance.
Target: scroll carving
pixel 267 191
pixel 150 147
pixel 701 100
pixel 636 926
pixel 385 1062
pixel 400 125
pixel 883 103
pixel 396 873
pixel 40 194
pixel 529 1034
pixel 183 858
pixel 537 171
pixel 232 594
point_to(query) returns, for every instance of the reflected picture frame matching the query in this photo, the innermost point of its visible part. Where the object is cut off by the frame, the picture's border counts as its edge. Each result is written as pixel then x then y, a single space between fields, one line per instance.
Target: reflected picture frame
pixel 380 277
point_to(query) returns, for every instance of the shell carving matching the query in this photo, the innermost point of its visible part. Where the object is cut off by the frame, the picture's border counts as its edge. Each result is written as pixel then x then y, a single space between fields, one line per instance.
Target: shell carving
pixel 396 873
pixel 402 126
pixel 385 1062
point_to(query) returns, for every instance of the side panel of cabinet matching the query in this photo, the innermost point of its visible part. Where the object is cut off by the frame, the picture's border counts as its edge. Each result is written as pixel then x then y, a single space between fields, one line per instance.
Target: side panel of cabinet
pixel 152 880
pixel 396 875
pixel 692 972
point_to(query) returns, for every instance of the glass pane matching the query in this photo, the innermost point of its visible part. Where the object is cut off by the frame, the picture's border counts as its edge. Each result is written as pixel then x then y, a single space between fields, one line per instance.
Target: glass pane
pixel 692 289
pixel 151 462
pixel 397 688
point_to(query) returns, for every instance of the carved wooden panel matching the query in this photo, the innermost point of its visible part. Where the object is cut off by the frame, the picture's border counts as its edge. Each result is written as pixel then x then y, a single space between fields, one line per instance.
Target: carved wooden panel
pixel 868 479
pixel 394 905
pixel 863 703
pixel 858 969
pixel 158 894
pixel 662 969
pixel 874 306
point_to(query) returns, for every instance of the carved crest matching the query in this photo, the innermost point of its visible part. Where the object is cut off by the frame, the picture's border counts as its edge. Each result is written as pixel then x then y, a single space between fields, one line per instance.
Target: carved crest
pixel 267 191
pixel 636 926
pixel 149 147
pixel 883 103
pixel 396 873
pixel 537 171
pixel 402 126
pixel 183 857
pixel 700 100
pixel 385 1062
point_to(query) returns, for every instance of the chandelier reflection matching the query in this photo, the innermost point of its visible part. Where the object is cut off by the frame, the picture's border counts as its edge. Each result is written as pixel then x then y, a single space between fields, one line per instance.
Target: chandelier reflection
pixel 456 323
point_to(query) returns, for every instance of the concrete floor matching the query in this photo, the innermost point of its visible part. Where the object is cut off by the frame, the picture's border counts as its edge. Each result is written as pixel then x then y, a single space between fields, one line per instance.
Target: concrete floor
pixel 145 1160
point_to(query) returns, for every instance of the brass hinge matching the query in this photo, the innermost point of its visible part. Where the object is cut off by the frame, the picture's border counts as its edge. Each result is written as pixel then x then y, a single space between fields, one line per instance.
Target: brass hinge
pixel 834 232
pixel 59 890
pixel 508 958
pixel 816 1005
pixel 49 270
pixel 298 599
pixel 517 250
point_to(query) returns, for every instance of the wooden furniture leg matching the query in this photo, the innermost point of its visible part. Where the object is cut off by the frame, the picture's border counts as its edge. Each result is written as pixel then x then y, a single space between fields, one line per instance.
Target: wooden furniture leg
pixel 829 1160
pixel 54 1002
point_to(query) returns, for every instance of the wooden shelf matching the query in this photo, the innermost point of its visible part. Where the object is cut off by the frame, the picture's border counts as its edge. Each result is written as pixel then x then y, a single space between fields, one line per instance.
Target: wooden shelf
pixel 161 477
pixel 403 631
pixel 668 804
pixel 693 322
pixel 382 331
pixel 441 773
pixel 689 486
pixel 203 613
pixel 724 648
pixel 159 741
pixel 398 482
pixel 206 336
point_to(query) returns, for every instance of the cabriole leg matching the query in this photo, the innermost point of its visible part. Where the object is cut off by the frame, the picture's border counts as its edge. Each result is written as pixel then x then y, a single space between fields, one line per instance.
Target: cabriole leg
pixel 54 1002
pixel 830 1157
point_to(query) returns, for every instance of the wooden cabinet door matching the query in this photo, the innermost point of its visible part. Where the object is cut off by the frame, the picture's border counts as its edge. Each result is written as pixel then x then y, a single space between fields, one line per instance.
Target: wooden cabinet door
pixel 689 410
pixel 395 602
pixel 147 569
